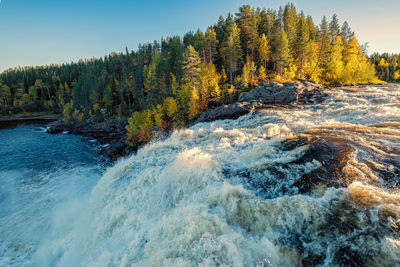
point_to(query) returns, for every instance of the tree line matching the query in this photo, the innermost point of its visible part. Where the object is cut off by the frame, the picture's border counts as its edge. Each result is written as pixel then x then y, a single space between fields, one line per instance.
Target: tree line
pixel 168 83
pixel 387 66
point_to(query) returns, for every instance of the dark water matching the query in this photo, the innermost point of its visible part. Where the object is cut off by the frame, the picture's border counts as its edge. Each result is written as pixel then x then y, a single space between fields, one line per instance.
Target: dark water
pixel 39 173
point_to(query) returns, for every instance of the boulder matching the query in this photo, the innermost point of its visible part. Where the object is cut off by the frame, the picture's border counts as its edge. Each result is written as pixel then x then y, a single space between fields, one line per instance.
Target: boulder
pixel 274 93
pixel 270 93
pixel 214 103
pixel 231 111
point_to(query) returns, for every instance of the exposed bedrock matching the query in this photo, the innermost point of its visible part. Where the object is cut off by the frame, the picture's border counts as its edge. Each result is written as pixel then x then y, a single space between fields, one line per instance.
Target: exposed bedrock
pixel 264 95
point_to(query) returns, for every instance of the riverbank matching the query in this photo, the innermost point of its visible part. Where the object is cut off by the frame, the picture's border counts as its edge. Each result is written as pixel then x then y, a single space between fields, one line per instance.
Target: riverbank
pixel 14 120
pixel 111 134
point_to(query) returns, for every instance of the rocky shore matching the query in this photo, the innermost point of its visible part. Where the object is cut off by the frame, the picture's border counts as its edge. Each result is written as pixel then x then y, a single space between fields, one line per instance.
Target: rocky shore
pixel 111 135
pixel 14 120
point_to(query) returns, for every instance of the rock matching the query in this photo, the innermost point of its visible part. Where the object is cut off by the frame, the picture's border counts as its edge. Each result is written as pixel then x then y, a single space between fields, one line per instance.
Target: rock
pixel 58 127
pixel 331 154
pixel 231 111
pixel 310 85
pixel 114 151
pixel 111 133
pixel 287 93
pixel 274 93
pixel 270 93
pixel 214 103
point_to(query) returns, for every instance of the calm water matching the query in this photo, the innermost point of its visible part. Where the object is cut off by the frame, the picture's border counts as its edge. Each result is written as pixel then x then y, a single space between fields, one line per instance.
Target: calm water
pixel 256 191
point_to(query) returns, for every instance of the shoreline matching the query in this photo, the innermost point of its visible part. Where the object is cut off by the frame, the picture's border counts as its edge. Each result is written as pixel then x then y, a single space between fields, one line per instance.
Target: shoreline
pixel 111 134
pixel 15 120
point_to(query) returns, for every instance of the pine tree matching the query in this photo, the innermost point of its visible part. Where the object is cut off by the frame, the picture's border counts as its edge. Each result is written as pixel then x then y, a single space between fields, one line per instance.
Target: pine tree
pixel 290 25
pixel 279 21
pixel 211 42
pixel 247 23
pixel 192 77
pixel 158 114
pixel 357 67
pixel 61 96
pixel 264 51
pixel 334 27
pixel 33 98
pixel 274 43
pixel 248 73
pixel 311 28
pixel 233 52
pixel 171 108
pixel 108 98
pixel 335 66
pixel 191 66
pixel 262 76
pixel 151 81
pixel 267 24
pixel 302 46
pixel 209 82
pixel 281 56
pixel 346 33
pixel 194 105
pixel 200 44
pixel 324 41
pixel 5 97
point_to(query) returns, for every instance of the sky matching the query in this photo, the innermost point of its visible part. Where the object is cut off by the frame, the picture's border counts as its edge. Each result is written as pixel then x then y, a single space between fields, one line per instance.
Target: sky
pixel 41 32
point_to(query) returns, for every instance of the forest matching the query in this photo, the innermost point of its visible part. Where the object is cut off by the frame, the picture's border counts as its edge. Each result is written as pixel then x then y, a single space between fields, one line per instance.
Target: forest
pixel 387 66
pixel 169 83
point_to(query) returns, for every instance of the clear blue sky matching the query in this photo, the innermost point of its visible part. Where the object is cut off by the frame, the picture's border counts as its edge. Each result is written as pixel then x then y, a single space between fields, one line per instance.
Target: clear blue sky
pixel 38 32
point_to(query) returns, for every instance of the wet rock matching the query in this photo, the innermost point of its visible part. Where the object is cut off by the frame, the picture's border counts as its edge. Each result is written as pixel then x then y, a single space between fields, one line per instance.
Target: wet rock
pixel 332 155
pixel 115 151
pixel 231 111
pixel 110 134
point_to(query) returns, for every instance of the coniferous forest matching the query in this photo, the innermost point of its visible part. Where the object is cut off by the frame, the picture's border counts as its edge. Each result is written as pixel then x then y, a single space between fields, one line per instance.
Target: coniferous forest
pixel 387 66
pixel 168 83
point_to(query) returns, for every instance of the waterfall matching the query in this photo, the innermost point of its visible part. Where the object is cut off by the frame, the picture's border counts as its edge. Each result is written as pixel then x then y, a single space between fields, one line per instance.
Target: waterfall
pixel 287 186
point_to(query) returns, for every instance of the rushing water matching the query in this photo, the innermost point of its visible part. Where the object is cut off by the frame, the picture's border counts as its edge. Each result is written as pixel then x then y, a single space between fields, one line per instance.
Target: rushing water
pixel 43 180
pixel 302 185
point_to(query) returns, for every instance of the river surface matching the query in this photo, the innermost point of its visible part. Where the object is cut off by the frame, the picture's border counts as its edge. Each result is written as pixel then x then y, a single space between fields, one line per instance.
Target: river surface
pixel 314 185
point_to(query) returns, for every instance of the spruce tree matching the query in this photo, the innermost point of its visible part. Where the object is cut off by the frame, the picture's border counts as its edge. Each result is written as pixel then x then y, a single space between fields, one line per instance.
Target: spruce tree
pixel 334 27
pixel 247 23
pixel 233 51
pixel 290 25
pixel 302 45
pixel 281 54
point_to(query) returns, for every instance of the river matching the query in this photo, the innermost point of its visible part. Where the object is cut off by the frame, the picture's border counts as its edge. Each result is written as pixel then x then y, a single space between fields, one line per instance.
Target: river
pixel 290 186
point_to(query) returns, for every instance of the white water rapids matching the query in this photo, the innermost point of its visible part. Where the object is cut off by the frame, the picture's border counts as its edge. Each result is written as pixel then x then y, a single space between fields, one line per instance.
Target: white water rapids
pixel 229 193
